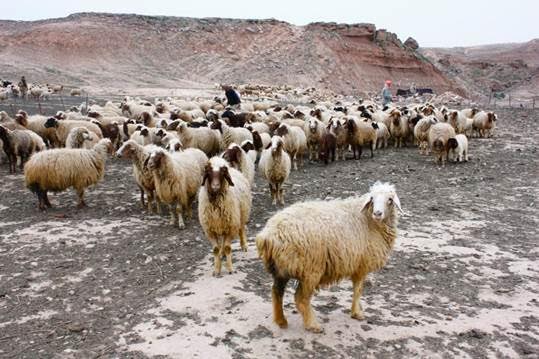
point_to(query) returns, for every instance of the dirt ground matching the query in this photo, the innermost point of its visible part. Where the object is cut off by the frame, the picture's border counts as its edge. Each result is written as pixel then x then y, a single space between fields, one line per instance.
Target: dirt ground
pixel 114 281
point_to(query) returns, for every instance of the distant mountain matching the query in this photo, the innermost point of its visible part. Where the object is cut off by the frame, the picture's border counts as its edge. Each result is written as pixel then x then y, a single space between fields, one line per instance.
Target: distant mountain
pixel 96 50
pixel 508 68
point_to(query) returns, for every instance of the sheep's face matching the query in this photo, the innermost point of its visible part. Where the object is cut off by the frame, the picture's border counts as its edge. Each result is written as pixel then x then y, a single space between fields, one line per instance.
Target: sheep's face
pixel 174 146
pixel 216 177
pixel 127 150
pixel 276 145
pixel 233 155
pixel 248 146
pixel 51 122
pixel 85 135
pixel 313 125
pixel 383 200
pixel 282 130
pixel 155 160
pixel 438 145
pixel 452 143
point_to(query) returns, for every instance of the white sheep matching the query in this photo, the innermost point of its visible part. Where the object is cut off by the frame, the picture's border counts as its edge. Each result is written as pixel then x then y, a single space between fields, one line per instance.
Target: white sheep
pixel 319 243
pixel 295 142
pixel 238 159
pixel 224 206
pixel 421 132
pixel 58 169
pixel 314 130
pixel 275 165
pixel 438 137
pixel 143 177
pixel 177 179
pixel 203 138
pixel 231 134
pixel 458 148
pixel 484 123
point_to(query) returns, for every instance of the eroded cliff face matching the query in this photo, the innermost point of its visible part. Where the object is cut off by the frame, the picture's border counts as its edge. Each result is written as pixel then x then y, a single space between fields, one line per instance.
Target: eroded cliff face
pixel 100 50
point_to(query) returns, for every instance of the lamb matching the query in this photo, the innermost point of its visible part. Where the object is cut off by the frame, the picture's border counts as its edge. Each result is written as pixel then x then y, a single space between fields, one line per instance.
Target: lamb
pixel 295 142
pixel 438 137
pixel 17 143
pixel 275 165
pixel 231 134
pixel 314 131
pixel 177 179
pixel 143 177
pixel 224 206
pixel 328 146
pixel 382 134
pixel 469 112
pixel 237 158
pixel 361 133
pixel 421 132
pixel 484 123
pixel 203 138
pixel 64 126
pixel 458 148
pixel 355 239
pixel 77 136
pixel 143 136
pixel 58 169
pixel 187 115
pixel 134 110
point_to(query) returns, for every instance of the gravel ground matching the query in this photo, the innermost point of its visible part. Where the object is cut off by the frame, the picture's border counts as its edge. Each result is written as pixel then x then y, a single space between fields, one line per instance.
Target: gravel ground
pixel 114 281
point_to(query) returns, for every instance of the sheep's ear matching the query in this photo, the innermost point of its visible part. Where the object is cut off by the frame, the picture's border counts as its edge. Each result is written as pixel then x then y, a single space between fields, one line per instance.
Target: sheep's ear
pixel 226 174
pixel 207 171
pixel 367 204
pixel 397 203
pixel 145 164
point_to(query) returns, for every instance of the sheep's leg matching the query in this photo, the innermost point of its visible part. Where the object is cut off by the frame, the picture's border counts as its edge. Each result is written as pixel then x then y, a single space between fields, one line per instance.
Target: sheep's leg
pixel 277 293
pixel 173 217
pixel 217 257
pixel 373 145
pixel 280 193
pixel 156 201
pixel 295 161
pixel 303 303
pixel 142 199
pixel 181 224
pixel 80 194
pixel 227 249
pixel 46 199
pixel 243 238
pixel 41 204
pixel 357 311
pixel 273 192
pixel 465 156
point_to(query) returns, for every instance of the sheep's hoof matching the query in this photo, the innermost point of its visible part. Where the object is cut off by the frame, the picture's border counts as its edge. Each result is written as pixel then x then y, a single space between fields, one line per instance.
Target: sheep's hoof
pixel 358 316
pixel 315 329
pixel 181 226
pixel 216 275
pixel 244 248
pixel 81 205
pixel 283 324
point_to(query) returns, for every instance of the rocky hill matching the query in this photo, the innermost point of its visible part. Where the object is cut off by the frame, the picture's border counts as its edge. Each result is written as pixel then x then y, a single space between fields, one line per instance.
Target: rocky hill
pixel 506 68
pixel 96 50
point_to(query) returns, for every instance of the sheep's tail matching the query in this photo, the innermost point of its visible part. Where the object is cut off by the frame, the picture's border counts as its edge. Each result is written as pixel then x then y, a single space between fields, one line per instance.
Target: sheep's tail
pixel 265 248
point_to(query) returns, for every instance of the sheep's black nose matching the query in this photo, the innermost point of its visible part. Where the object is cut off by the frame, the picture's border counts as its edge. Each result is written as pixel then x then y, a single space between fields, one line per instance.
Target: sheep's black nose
pixel 378 213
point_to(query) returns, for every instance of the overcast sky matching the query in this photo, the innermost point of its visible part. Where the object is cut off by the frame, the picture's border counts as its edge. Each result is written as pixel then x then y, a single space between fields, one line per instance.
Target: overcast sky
pixel 430 22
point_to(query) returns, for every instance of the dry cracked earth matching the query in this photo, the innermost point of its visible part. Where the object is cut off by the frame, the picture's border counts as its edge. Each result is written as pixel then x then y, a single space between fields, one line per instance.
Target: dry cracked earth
pixel 114 281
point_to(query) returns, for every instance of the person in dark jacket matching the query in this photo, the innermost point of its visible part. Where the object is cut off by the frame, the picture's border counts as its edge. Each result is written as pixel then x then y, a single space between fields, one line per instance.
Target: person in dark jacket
pixel 232 96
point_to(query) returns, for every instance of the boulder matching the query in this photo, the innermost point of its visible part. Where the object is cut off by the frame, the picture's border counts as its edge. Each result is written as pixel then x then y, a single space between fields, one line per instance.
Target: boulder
pixel 411 43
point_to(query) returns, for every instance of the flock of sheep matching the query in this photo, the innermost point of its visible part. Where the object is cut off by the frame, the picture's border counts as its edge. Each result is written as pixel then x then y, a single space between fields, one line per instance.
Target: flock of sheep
pixel 34 91
pixel 187 151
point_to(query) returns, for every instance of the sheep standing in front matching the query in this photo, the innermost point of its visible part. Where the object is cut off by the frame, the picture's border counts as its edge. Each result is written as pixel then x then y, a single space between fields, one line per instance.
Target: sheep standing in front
pixel 458 148
pixel 327 147
pixel 421 133
pixel 177 179
pixel 439 135
pixel 224 206
pixel 275 165
pixel 319 243
pixel 484 123
pixel 361 133
pixel 17 143
pixel 143 177
pixel 58 169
